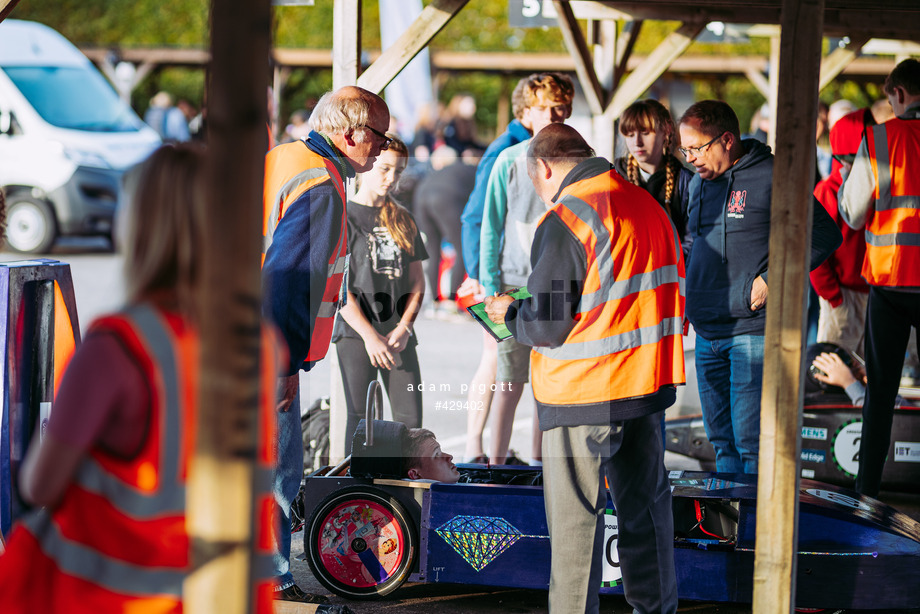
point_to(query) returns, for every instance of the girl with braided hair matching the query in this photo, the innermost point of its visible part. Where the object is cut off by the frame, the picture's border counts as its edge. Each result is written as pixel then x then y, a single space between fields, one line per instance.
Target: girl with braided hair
pixel 652 141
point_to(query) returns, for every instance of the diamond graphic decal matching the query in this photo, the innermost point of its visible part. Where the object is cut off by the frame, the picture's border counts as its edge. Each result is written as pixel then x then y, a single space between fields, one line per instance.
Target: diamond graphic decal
pixel 479 539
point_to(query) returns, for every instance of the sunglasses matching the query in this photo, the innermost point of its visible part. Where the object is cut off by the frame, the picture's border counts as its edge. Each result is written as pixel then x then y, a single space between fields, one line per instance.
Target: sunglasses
pixel 386 140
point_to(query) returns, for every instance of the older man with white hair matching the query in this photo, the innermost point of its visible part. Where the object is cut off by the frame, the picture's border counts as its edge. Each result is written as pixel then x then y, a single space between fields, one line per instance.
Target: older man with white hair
pixel 304 263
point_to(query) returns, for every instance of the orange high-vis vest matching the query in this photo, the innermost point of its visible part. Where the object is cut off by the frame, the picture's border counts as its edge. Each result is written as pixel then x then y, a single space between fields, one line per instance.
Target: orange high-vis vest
pixel 893 224
pixel 118 540
pixel 290 170
pixel 627 337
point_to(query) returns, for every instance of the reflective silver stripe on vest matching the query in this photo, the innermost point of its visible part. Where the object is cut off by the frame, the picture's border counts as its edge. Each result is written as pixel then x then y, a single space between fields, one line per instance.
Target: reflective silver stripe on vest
pixel 609 289
pixel 169 496
pixel 286 190
pixel 880 137
pixel 907 239
pixel 589 216
pixel 597 348
pixel 75 559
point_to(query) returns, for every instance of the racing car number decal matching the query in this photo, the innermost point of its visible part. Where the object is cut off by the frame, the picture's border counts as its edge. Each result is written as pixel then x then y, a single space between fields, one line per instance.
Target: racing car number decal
pixel 611 574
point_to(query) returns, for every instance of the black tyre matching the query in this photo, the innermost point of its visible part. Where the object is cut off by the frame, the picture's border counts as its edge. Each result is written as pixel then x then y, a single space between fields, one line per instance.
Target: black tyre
pixel 314 426
pixel 31 227
pixel 360 543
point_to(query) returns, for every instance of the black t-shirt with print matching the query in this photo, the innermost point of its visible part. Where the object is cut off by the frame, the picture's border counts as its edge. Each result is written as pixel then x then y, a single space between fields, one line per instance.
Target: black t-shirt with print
pixel 378 274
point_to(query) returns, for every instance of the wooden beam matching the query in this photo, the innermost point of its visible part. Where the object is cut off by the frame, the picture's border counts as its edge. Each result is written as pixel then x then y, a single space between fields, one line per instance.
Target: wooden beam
pixel 6 7
pixel 653 67
pixel 430 21
pixel 790 243
pixel 578 49
pixel 758 81
pixel 772 99
pixel 605 50
pixel 221 508
pixel 346 42
pixel 625 48
pixel 840 58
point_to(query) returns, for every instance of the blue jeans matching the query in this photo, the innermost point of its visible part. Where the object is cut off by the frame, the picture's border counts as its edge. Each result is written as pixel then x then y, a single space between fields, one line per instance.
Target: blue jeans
pixel 285 486
pixel 730 375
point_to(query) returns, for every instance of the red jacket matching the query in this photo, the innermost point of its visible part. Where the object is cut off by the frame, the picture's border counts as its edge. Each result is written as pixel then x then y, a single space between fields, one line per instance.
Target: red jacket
pixel 843 269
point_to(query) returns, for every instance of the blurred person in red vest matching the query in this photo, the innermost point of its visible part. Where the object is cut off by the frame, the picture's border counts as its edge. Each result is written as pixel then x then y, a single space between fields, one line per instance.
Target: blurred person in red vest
pixel 111 469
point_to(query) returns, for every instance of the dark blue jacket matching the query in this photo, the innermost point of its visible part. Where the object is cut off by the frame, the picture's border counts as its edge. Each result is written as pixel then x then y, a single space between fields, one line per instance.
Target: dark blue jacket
pixel 729 223
pixel 471 219
pixel 294 273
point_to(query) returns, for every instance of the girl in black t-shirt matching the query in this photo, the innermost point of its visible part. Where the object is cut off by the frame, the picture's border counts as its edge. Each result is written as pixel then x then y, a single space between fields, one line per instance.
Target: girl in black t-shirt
pixel 374 334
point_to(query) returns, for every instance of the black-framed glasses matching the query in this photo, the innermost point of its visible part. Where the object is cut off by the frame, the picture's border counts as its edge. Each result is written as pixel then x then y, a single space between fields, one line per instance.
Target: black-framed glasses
pixel 386 140
pixel 696 151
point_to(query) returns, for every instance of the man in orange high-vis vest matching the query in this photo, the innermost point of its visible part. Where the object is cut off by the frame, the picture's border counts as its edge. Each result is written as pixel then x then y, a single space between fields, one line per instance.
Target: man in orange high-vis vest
pixel 605 321
pixel 882 191
pixel 304 265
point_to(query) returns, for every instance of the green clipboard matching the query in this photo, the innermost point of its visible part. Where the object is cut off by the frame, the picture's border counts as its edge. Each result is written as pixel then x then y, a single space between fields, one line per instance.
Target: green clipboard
pixel 499 331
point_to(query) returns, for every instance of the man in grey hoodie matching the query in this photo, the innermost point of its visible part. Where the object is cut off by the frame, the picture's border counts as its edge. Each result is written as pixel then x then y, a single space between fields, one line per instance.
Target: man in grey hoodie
pixel 729 221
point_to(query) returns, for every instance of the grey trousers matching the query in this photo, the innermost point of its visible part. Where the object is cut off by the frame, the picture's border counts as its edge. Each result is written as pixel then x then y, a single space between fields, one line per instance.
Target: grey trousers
pixel 575 462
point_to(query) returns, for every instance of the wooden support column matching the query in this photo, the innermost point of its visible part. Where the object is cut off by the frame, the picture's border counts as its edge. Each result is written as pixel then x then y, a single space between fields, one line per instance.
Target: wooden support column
pixel 578 48
pixel 220 501
pixel 790 244
pixel 605 51
pixel 430 21
pixel 625 47
pixel 346 42
pixel 774 89
pixel 840 58
pixel 644 75
pixel 758 81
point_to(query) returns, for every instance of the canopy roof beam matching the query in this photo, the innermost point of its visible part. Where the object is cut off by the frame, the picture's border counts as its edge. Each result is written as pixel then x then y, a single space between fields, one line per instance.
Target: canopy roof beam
pixel 426 26
pixel 584 64
pixel 840 58
pixel 655 65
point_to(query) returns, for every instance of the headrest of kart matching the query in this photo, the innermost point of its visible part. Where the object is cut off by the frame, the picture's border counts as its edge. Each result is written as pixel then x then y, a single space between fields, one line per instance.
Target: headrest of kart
pixel 812 384
pixel 385 458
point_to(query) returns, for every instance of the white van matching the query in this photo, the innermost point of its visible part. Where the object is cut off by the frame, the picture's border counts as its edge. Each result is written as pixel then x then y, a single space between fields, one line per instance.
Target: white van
pixel 66 139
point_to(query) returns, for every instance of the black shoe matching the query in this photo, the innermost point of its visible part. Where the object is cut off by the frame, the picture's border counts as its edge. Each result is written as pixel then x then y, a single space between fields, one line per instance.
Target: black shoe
pixel 295 593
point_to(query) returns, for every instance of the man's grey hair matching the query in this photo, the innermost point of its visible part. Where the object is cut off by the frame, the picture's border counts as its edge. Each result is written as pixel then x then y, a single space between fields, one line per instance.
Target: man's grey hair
pixel 335 113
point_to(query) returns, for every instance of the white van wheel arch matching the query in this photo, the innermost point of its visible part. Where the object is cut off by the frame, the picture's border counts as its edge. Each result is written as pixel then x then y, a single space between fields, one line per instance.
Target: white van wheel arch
pixel 30 225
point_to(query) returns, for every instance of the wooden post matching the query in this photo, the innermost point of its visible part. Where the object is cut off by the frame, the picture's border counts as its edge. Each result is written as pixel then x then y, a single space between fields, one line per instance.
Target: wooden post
pixel 221 474
pixel 578 49
pixel 775 62
pixel 346 42
pixel 790 244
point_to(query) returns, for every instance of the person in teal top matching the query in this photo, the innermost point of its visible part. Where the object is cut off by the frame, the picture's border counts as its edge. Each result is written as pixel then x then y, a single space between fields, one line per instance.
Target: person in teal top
pixel 510 215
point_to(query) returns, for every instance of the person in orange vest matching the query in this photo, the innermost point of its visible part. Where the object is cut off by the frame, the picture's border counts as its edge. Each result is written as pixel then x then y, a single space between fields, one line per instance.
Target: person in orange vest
pixel 605 321
pixel 882 192
pixel 305 259
pixel 111 469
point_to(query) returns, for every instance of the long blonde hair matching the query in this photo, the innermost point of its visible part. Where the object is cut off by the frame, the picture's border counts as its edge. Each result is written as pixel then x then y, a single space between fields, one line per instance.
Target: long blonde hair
pixel 650 115
pixel 165 227
pixel 394 216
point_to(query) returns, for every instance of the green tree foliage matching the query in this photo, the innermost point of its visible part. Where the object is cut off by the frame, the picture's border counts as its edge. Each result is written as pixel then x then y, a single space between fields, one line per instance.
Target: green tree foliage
pixel 481 26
